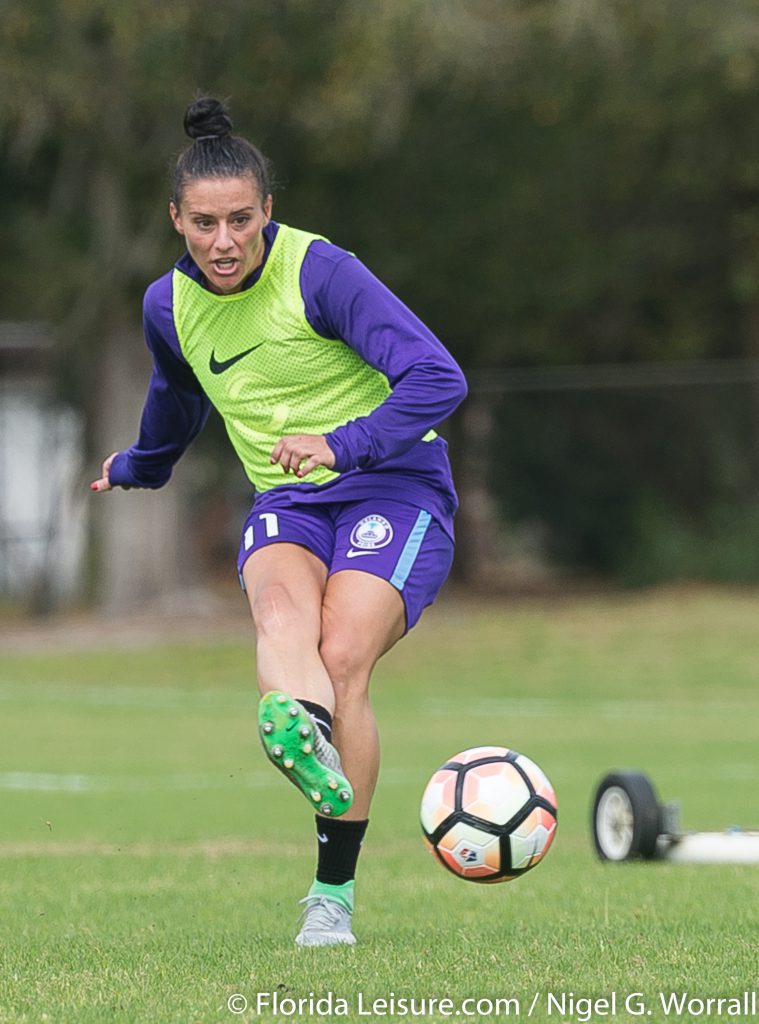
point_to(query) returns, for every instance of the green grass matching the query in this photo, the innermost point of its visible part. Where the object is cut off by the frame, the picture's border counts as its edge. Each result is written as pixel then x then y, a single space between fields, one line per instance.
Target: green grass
pixel 151 862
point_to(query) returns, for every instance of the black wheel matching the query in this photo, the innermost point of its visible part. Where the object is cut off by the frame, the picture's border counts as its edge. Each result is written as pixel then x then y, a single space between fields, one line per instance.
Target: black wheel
pixel 626 817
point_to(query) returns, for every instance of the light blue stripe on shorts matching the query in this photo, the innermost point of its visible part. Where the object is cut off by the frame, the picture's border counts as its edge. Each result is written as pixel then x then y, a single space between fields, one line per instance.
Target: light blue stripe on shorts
pixel 405 563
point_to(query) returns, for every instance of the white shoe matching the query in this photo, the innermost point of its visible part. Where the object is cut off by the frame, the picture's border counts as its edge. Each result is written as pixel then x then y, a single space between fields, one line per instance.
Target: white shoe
pixel 325 922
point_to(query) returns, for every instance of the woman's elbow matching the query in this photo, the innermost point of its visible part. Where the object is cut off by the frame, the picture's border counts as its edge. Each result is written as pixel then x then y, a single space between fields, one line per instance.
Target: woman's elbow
pixel 461 386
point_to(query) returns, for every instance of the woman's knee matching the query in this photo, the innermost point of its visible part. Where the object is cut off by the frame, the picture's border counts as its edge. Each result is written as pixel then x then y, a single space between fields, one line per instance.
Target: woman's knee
pixel 347 665
pixel 277 615
pixel 285 584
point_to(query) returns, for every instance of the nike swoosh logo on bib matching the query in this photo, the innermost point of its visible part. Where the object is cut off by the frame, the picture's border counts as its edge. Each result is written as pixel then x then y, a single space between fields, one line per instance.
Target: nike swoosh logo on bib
pixel 219 367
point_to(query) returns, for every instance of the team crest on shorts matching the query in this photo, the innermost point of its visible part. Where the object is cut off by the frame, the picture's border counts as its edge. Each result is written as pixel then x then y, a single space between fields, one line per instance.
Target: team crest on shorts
pixel 371 532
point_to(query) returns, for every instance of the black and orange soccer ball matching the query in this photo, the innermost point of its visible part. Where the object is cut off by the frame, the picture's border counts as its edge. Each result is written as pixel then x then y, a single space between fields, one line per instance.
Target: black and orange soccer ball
pixel 489 814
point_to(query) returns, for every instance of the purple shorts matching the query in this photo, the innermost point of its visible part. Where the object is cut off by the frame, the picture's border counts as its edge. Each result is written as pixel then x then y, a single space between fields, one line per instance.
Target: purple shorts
pixel 400 543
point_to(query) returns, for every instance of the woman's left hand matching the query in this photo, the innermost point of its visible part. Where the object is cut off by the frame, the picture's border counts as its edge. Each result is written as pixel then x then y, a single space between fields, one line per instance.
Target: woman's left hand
pixel 309 449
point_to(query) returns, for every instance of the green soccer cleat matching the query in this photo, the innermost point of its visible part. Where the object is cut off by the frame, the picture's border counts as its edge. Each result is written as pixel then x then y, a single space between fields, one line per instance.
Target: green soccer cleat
pixel 295 744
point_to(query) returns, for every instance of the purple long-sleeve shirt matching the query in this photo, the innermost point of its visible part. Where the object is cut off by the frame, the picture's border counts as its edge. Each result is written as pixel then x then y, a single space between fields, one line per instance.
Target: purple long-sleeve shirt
pixel 342 300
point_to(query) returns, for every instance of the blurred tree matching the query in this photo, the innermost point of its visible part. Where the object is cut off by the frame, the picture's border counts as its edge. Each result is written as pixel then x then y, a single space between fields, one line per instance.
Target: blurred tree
pixel 543 182
pixel 94 94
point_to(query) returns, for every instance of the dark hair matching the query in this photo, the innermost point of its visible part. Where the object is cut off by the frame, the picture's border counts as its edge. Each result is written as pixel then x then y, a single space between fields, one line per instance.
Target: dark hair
pixel 215 152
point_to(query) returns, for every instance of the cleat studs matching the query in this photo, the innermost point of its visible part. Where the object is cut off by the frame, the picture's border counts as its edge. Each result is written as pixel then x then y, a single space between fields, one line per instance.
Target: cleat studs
pixel 304 731
pixel 344 795
pixel 281 699
pixel 293 712
pixel 288 762
pixel 277 751
pixel 307 748
pixel 268 727
pixel 316 795
pixel 332 784
pixel 325 809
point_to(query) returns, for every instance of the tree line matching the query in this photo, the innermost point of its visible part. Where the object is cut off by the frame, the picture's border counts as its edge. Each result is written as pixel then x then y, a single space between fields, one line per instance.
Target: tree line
pixel 545 183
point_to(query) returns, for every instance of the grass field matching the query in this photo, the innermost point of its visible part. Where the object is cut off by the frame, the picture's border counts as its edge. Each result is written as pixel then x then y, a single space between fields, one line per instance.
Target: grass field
pixel 151 861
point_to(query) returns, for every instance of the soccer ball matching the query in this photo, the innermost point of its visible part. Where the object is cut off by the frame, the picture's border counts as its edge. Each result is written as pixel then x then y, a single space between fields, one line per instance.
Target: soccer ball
pixel 489 814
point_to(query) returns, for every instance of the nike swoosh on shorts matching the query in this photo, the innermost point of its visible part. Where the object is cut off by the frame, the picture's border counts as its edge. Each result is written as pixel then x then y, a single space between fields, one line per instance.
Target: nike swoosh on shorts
pixel 355 554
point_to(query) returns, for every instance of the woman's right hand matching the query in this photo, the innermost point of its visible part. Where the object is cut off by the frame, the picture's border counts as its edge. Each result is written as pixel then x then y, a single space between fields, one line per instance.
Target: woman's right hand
pixel 104 483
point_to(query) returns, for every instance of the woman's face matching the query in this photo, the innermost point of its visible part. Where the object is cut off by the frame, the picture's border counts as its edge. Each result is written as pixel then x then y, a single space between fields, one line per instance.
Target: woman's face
pixel 222 220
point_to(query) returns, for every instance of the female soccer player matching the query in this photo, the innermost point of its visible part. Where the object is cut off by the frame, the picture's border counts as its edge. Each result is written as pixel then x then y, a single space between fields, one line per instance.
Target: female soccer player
pixel 329 388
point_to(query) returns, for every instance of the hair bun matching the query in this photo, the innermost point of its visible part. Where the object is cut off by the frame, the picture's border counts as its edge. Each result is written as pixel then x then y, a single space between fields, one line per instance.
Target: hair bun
pixel 207 116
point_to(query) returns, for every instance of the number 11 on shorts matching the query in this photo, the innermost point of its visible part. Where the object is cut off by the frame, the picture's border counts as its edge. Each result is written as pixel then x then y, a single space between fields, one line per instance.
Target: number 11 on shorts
pixel 271 525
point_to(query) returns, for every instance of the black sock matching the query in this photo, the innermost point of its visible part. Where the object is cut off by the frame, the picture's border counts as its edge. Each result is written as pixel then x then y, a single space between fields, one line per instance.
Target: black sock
pixel 321 716
pixel 339 847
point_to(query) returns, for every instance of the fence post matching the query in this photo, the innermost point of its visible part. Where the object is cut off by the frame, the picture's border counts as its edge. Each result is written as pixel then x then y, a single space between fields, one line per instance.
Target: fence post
pixel 477 522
